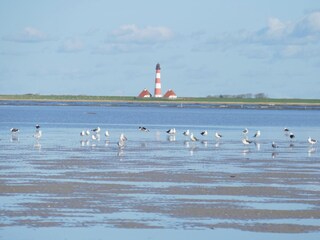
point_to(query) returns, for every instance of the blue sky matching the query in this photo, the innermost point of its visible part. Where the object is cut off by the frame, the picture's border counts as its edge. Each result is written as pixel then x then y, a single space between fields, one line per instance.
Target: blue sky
pixel 205 47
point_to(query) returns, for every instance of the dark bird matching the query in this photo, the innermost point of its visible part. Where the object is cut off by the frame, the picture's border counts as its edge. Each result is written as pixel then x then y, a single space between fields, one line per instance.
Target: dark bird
pixel 14 130
pixel 144 129
pixel 171 131
pixel 204 133
pixel 274 145
pixel 292 136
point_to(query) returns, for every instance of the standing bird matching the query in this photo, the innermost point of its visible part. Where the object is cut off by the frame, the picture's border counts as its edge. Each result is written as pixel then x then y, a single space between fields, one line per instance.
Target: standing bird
pixel 122 140
pixel 245 131
pixel 144 129
pixel 14 130
pixel 106 133
pixel 257 134
pixel 186 133
pixel 218 135
pixel 37 126
pixel 274 145
pixel 246 141
pixel 122 137
pixel 82 133
pixel 193 138
pixel 96 130
pixel 312 141
pixel 292 136
pixel 171 131
pixel 286 129
pixel 204 133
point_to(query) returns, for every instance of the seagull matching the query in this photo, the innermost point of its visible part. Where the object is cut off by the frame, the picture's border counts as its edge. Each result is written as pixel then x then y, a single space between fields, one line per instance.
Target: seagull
pixel 286 129
pixel 96 130
pixel 274 145
pixel 257 134
pixel 187 133
pixel 171 131
pixel 245 131
pixel 37 135
pixel 37 126
pixel 204 133
pixel 14 130
pixel 312 141
pixel 218 135
pixel 122 140
pixel 87 132
pixel 144 129
pixel 94 137
pixel 193 138
pixel 246 141
pixel 82 133
pixel 292 136
pixel 107 133
pixel 122 137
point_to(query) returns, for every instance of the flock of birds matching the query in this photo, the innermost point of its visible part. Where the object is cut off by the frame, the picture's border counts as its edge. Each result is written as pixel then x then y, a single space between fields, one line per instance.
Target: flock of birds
pixel 95 135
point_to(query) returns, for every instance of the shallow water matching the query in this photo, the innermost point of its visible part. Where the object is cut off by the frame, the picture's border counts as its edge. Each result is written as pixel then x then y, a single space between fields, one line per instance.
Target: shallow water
pixel 159 181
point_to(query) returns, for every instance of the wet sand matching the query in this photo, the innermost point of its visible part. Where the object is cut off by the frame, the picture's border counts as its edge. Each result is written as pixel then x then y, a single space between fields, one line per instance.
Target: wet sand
pixel 160 184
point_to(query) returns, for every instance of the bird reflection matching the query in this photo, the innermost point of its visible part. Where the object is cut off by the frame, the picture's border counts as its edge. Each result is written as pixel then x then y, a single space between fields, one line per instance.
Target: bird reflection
pixel 274 155
pixel 205 143
pixel 84 143
pixel 171 138
pixel 37 146
pixel 258 145
pixel 14 138
pixel 311 151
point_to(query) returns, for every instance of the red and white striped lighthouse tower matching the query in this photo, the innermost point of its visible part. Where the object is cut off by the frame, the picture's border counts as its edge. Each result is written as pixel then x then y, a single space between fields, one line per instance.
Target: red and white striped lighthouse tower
pixel 157 89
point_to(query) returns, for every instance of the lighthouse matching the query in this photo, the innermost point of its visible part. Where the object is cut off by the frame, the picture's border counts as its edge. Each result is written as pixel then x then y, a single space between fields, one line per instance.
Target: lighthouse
pixel 157 89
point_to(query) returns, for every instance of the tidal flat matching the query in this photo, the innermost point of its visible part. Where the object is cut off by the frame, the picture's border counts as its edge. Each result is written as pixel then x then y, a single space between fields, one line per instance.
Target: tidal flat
pixel 158 185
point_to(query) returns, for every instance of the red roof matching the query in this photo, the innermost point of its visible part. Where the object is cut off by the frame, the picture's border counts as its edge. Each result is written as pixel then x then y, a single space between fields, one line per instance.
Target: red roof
pixel 170 94
pixel 144 93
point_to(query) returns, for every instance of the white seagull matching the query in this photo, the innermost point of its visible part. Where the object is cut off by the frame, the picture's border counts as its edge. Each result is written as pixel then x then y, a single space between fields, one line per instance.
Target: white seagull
pixel 193 138
pixel 204 133
pixel 82 133
pixel 96 130
pixel 257 134
pixel 245 131
pixel 186 133
pixel 286 129
pixel 218 135
pixel 122 137
pixel 246 141
pixel 122 140
pixel 171 131
pixel 312 141
pixel 106 133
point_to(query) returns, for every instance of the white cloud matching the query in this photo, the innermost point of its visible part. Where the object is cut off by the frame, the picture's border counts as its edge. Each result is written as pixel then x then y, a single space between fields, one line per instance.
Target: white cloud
pixel 71 46
pixel 28 35
pixel 149 34
pixel 280 39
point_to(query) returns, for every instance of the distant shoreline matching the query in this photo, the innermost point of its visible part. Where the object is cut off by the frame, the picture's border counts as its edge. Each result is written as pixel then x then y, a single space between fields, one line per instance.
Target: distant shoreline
pixel 182 100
